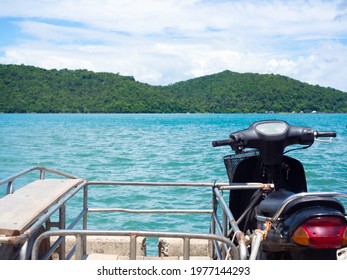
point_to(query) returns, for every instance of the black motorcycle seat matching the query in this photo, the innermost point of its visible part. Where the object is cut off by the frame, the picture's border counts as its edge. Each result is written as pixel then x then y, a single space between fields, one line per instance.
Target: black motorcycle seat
pixel 272 202
pixel 269 206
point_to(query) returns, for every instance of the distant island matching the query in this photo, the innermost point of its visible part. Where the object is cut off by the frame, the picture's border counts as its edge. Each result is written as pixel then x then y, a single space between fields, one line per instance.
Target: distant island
pixel 29 89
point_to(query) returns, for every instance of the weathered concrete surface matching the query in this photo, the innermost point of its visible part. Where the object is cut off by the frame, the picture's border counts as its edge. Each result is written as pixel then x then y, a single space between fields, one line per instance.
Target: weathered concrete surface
pixel 198 247
pixel 108 245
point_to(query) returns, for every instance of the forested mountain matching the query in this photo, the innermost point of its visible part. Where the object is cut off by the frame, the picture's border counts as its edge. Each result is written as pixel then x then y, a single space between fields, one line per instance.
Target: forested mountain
pixel 31 89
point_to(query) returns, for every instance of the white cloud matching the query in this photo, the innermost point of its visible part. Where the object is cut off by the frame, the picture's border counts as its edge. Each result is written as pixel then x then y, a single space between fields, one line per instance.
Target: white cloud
pixel 161 42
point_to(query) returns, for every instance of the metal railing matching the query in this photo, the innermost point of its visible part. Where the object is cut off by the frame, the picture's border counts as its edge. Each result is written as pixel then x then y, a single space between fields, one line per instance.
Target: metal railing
pixel 29 239
pixel 229 228
pixel 42 170
pixel 24 241
pixel 80 248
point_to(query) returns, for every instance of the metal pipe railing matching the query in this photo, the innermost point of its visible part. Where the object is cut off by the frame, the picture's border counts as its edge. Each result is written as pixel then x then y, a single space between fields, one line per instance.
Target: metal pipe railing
pixel 234 226
pixel 217 197
pixel 41 220
pixel 133 235
pixel 41 170
pixel 149 211
pixel 226 210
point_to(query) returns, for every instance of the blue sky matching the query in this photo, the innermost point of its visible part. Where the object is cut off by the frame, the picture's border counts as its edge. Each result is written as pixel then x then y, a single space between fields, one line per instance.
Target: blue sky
pixel 166 41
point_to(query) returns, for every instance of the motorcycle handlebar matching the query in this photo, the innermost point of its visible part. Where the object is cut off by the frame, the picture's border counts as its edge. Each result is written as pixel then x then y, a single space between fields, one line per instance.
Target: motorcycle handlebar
pixel 219 143
pixel 229 142
pixel 278 133
pixel 325 134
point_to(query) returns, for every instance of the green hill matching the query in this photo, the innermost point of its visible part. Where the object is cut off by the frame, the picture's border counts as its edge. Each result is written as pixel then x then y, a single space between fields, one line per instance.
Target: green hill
pixel 26 89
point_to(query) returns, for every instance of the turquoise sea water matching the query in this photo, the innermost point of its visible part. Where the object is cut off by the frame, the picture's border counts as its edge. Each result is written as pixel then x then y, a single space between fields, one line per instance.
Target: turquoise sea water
pixel 154 147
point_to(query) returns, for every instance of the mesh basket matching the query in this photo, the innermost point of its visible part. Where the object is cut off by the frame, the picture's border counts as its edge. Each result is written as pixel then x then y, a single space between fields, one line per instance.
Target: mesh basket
pixel 232 161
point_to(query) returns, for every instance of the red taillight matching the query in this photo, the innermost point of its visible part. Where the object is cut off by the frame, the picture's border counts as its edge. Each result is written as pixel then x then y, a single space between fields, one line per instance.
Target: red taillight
pixel 322 232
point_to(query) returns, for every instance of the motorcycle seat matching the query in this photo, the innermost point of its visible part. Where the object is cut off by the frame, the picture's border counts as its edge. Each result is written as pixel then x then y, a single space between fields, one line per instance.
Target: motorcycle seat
pixel 269 206
pixel 272 202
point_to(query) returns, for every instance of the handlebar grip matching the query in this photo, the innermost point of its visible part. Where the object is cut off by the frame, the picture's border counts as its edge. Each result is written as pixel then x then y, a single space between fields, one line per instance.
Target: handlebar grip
pixel 218 143
pixel 325 134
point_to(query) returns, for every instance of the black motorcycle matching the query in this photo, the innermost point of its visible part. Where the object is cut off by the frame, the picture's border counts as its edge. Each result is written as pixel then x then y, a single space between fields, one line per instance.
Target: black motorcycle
pixel 284 221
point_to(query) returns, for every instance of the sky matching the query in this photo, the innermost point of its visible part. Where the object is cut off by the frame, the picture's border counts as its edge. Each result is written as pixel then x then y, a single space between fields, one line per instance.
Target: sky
pixel 160 42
